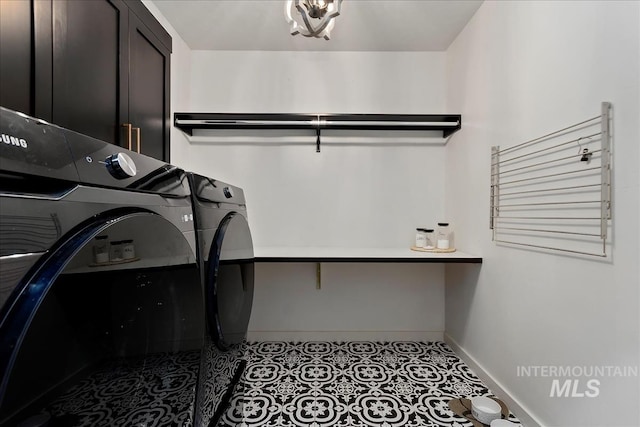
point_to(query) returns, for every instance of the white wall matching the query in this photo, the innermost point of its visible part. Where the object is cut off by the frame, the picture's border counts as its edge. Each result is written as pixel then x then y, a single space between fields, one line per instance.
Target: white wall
pixel 517 71
pixel 363 189
pixel 377 302
pixel 347 195
pixel 316 82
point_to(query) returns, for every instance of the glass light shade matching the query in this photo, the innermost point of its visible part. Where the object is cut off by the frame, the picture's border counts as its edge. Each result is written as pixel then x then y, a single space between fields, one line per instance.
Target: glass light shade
pixel 297 14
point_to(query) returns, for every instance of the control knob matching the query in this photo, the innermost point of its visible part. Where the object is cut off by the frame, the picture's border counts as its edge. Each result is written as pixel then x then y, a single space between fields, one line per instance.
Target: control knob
pixel 228 192
pixel 121 166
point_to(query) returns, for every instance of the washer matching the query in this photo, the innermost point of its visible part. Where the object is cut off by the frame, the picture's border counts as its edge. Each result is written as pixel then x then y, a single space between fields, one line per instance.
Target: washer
pixel 226 260
pixel 86 337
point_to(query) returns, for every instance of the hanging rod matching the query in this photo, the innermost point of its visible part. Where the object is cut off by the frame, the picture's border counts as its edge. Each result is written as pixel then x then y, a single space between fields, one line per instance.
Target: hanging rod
pixel 448 123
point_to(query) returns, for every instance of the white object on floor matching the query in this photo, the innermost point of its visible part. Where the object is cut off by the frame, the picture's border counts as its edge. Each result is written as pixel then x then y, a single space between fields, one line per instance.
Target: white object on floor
pixel 504 423
pixel 485 409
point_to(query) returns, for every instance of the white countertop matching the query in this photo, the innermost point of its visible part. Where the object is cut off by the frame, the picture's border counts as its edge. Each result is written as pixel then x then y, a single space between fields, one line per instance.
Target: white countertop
pixel 336 254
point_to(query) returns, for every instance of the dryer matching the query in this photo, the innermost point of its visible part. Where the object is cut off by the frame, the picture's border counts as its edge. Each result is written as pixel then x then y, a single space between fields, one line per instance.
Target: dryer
pixel 226 261
pixel 89 339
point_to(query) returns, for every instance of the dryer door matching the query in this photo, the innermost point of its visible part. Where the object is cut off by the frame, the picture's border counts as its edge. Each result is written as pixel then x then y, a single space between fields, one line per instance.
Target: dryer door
pixel 229 282
pixel 86 340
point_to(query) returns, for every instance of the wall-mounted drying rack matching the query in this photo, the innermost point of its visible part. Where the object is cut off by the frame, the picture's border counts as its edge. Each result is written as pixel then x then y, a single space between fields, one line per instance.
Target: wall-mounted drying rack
pixel 447 123
pixel 554 192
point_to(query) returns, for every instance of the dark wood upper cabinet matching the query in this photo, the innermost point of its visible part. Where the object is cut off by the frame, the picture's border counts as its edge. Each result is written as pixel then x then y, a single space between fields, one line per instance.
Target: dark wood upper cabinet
pixel 90 79
pixel 98 67
pixel 16 58
pixel 149 83
pixel 25 56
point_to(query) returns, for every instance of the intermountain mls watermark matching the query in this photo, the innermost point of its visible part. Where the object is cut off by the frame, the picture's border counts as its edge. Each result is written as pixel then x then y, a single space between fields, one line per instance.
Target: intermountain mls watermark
pixel 576 381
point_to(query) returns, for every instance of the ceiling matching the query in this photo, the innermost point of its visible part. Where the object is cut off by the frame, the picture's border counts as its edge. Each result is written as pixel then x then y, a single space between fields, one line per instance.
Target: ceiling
pixel 363 25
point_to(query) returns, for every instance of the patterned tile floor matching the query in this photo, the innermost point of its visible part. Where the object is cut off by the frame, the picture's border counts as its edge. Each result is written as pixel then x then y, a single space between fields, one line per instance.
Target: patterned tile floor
pixel 158 390
pixel 354 384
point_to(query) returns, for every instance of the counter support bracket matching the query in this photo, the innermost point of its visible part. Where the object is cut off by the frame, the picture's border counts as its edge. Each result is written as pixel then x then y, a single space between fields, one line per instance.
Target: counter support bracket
pixel 318 276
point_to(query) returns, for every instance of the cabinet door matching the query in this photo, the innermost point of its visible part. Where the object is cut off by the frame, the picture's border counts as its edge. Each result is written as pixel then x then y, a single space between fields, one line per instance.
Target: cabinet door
pixel 90 75
pixel 16 60
pixel 149 90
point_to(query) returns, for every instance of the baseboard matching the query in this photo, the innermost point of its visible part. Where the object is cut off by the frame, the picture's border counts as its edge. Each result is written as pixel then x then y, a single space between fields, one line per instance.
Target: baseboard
pixel 344 336
pixel 514 405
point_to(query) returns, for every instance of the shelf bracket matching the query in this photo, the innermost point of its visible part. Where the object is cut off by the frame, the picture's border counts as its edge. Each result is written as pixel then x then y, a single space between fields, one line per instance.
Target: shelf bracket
pixel 317 139
pixel 318 275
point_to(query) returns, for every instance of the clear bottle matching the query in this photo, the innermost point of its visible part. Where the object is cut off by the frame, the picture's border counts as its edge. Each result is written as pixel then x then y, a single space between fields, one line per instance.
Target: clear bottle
pixel 430 242
pixel 421 237
pixel 443 236
pixel 128 250
pixel 115 251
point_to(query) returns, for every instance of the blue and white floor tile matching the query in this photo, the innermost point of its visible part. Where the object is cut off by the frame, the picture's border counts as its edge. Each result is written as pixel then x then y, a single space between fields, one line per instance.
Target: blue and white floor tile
pixel 351 384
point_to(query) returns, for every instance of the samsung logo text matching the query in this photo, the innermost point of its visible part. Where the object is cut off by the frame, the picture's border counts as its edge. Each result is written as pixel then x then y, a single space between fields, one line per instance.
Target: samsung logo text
pixel 12 140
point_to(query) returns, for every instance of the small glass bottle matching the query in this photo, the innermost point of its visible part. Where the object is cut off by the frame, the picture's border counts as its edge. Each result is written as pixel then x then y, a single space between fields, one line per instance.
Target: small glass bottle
pixel 128 250
pixel 101 250
pixel 421 238
pixel 430 237
pixel 115 251
pixel 443 236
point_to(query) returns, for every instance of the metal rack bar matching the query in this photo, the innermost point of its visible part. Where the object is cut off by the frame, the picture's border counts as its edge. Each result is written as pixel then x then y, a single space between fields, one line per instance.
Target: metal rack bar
pixel 240 123
pixel 605 177
pixel 495 171
pixel 550 203
pixel 383 124
pixel 549 217
pixel 550 148
pixel 538 230
pixel 538 213
pixel 571 187
pixel 549 162
pixel 552 248
pixel 550 175
pixel 541 138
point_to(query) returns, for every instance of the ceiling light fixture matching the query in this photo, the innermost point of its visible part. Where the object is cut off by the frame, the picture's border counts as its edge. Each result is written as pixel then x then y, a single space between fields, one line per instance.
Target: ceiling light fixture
pixel 312 18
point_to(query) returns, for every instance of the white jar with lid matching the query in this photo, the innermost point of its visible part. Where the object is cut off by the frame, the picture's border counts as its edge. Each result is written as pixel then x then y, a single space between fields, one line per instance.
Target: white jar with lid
pixel 115 251
pixel 101 250
pixel 443 236
pixel 430 238
pixel 421 237
pixel 128 250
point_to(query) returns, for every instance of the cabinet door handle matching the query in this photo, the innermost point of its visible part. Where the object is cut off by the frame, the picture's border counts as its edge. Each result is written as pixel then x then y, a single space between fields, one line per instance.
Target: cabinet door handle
pixel 128 127
pixel 138 139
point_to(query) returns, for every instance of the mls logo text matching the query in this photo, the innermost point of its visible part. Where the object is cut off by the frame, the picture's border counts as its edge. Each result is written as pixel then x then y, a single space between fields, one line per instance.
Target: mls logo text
pixel 576 381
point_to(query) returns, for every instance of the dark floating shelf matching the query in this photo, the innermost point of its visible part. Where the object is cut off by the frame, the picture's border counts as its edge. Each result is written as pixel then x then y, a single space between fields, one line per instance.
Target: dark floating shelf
pixel 447 123
pixel 360 255
pixel 451 260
